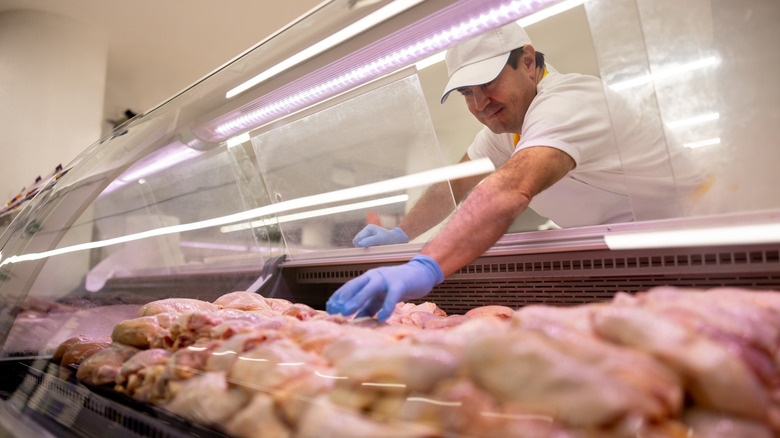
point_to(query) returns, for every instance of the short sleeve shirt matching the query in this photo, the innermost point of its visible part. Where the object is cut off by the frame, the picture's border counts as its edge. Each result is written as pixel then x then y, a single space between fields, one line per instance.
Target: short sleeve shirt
pixel 620 157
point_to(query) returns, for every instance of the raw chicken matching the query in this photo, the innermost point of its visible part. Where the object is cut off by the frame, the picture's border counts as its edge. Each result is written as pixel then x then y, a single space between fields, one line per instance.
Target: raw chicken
pixel 102 368
pixel 499 311
pixel 76 350
pixel 379 379
pixel 222 357
pixel 415 315
pixel 250 365
pixel 326 420
pixel 272 364
pixel 572 377
pixel 546 318
pixel 176 306
pixel 243 301
pixel 316 335
pixel 131 379
pixel 715 377
pixel 208 399
pixel 751 331
pixel 301 312
pixel 76 341
pixel 182 365
pixel 708 424
pixel 295 397
pixel 141 332
pixel 458 407
pixel 258 420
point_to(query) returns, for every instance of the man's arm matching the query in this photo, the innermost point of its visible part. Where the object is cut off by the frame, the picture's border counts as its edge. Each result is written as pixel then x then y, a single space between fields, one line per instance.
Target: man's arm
pixel 492 206
pixel 479 223
pixel 436 204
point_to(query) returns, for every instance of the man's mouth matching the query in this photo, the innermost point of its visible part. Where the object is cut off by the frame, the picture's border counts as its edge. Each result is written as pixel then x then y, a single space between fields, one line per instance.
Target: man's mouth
pixel 492 114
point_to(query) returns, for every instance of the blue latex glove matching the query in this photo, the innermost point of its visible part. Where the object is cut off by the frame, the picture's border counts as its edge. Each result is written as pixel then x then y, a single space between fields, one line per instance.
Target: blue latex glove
pixel 383 288
pixel 373 235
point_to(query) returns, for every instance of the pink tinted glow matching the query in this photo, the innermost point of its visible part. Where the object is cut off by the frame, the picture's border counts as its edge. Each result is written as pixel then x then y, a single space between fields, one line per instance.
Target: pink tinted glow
pixel 404 47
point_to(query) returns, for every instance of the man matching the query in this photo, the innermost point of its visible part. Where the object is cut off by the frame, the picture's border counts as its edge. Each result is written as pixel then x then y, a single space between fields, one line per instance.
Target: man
pixel 562 144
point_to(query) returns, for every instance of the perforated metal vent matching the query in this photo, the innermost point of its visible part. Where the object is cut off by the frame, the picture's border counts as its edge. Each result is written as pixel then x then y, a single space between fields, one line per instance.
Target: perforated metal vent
pixel 567 278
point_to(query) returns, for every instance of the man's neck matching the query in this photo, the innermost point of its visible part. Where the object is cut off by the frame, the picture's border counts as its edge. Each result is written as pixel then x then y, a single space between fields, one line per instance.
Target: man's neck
pixel 540 73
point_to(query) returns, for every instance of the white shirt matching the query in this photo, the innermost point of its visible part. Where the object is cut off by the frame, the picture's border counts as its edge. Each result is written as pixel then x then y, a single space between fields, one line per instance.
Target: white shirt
pixel 621 156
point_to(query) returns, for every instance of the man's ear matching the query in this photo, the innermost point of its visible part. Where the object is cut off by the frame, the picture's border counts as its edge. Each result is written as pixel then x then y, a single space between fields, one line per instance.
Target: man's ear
pixel 529 58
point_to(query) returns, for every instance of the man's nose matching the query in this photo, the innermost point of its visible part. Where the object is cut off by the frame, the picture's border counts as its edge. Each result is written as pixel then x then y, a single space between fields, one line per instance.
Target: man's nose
pixel 481 99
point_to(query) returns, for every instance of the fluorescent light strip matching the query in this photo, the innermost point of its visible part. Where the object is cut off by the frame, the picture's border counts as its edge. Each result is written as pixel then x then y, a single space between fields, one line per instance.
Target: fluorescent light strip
pixel 694 120
pixel 169 160
pixel 330 377
pixel 642 80
pixel 747 234
pixel 237 140
pixel 337 38
pixel 217 246
pixel 525 21
pixel 470 168
pixel 549 12
pixel 314 213
pixel 384 385
pixel 419 50
pixel 431 60
pixel 702 143
pixel 434 402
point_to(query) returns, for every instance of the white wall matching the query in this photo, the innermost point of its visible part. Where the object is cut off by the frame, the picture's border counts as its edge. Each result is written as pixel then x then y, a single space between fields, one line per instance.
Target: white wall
pixel 52 80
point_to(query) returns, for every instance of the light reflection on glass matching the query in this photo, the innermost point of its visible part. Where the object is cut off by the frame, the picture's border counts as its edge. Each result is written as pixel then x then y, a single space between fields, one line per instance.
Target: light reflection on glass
pixel 384 385
pixel 330 377
pixel 252 359
pixel 434 402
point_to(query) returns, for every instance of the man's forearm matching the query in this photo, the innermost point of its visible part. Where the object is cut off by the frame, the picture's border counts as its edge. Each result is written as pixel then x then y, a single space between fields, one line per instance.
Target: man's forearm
pixel 433 207
pixel 492 206
pixel 480 222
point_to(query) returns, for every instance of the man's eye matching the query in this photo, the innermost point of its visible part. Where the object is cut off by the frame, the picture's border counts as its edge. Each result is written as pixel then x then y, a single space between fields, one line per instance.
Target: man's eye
pixel 464 91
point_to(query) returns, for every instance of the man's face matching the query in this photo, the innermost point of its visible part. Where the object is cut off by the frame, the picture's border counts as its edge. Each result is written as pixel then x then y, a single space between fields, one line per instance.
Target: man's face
pixel 502 103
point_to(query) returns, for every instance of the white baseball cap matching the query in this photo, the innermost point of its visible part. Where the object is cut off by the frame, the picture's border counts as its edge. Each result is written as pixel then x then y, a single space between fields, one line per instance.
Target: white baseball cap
pixel 481 59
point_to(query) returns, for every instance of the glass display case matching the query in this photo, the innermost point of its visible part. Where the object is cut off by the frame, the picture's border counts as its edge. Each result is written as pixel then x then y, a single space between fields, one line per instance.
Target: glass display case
pixel 278 159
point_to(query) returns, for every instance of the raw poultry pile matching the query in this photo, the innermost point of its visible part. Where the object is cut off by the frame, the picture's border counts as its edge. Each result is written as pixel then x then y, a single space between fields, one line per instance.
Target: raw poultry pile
pixel 665 363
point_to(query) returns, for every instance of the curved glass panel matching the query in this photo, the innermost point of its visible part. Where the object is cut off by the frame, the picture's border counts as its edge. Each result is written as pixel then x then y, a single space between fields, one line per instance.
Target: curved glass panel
pixel 159 251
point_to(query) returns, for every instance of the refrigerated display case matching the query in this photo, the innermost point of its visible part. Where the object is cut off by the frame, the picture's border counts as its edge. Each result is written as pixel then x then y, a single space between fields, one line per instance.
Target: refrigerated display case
pixel 257 178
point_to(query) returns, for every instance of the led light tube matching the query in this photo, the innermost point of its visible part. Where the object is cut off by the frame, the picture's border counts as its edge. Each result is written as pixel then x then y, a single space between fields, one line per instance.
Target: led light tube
pixel 693 120
pixel 455 171
pixel 237 140
pixel 524 22
pixel 315 213
pixel 431 60
pixel 549 12
pixel 337 38
pixel 642 80
pixel 360 71
pixel 702 143
pixel 434 402
pixel 746 234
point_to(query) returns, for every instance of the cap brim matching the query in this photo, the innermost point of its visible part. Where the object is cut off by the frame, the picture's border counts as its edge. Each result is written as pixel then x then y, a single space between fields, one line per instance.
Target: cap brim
pixel 475 74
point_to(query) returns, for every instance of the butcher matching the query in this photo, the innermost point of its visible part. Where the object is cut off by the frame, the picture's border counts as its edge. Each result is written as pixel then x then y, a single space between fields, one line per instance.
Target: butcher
pixel 563 144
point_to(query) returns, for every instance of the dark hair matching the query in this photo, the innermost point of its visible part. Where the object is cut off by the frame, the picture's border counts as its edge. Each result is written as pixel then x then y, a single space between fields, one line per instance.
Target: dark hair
pixel 516 54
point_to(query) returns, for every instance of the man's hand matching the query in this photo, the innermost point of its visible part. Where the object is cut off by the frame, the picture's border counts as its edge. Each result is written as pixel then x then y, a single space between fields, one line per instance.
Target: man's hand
pixel 373 235
pixel 381 289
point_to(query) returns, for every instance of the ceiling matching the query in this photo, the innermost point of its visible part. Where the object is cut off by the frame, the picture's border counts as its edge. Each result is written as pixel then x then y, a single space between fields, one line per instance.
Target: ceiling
pixel 156 48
